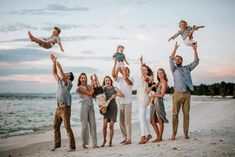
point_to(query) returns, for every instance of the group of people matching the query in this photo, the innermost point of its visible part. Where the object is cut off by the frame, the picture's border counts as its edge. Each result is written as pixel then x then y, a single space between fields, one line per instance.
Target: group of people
pixel 115 100
pixel 115 97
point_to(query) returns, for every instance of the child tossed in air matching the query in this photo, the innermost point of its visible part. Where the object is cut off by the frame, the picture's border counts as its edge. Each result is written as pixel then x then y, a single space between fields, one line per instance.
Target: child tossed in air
pixel 48 43
pixel 99 94
pixel 119 56
pixel 186 33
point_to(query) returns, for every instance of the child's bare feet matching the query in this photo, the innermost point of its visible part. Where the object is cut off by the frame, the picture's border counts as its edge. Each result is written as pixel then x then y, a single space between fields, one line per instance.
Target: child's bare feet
pixel 148 137
pixel 30 35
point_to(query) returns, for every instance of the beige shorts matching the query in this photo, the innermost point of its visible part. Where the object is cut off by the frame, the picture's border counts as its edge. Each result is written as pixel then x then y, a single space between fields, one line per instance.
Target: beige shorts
pixel 189 42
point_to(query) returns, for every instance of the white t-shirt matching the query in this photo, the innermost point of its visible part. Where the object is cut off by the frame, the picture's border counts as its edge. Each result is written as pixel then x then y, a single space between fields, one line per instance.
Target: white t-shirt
pixel 125 89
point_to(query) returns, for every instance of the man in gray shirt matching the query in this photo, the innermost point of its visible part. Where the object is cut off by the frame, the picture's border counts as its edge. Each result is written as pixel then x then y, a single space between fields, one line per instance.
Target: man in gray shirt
pixel 63 111
pixel 182 87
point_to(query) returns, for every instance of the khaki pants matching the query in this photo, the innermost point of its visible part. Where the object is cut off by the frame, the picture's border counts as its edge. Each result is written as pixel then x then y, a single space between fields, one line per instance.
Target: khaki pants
pixel 181 98
pixel 63 113
pixel 125 111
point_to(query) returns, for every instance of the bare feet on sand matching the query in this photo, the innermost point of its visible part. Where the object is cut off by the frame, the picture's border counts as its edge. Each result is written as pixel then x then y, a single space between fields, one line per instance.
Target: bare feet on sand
pixel 71 149
pixel 123 141
pixel 127 143
pixel 54 148
pixel 142 140
pixel 157 140
pixel 110 144
pixel 104 142
pixel 148 137
pixel 84 146
pixel 95 146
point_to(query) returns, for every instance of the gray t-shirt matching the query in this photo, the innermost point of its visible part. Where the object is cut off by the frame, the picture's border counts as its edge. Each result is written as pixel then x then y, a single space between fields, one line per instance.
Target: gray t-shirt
pixel 63 95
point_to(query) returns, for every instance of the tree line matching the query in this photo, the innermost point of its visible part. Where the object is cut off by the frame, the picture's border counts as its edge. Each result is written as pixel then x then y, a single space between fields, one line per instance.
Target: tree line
pixel 223 89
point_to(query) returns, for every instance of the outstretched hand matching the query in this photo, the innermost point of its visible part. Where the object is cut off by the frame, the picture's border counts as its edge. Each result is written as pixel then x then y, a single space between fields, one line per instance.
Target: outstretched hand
pixel 53 58
pixel 176 45
pixel 58 65
pixel 141 58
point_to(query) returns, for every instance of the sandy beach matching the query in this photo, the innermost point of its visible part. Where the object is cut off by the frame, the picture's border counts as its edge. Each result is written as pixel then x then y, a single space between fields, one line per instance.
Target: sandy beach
pixel 212 134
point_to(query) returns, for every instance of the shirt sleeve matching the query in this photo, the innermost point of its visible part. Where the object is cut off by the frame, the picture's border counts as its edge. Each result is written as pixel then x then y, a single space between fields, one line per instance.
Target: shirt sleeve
pixel 172 64
pixel 70 85
pixel 192 65
pixel 57 40
pixel 60 82
pixel 197 27
pixel 175 35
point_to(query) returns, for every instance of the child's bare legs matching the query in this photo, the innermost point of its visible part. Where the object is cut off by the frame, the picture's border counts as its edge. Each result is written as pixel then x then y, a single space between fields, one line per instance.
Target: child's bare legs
pixel 34 39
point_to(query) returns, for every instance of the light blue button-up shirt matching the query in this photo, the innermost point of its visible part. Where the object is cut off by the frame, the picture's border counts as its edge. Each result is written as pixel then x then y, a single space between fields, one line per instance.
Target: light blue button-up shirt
pixel 182 76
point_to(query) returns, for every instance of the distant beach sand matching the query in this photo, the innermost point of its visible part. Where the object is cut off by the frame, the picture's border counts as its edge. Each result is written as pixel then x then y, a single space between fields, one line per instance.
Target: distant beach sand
pixel 212 134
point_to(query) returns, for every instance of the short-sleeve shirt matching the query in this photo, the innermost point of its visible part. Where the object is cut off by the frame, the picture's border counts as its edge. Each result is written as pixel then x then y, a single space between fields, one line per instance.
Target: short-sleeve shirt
pixel 63 95
pixel 53 39
pixel 119 56
pixel 125 89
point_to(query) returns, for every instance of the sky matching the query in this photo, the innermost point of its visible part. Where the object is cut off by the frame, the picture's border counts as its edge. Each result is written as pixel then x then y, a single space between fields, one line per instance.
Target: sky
pixel 92 29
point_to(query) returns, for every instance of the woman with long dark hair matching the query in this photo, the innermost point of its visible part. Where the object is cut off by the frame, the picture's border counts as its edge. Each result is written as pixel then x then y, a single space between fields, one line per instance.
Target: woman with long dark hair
pixel 111 114
pixel 157 109
pixel 87 112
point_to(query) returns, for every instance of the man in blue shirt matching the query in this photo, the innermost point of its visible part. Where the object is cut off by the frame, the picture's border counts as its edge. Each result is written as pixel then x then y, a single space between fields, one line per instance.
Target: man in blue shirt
pixel 182 87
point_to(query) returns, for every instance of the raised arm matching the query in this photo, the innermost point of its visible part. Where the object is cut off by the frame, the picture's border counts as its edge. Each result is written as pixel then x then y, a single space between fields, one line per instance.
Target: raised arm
pixel 141 64
pixel 54 70
pixel 174 50
pixel 198 27
pixel 174 36
pixel 119 93
pixel 61 73
pixel 196 58
pixel 114 74
pixel 61 47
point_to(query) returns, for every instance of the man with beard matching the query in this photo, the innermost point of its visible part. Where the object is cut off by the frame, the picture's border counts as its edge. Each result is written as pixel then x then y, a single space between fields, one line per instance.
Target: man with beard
pixel 182 87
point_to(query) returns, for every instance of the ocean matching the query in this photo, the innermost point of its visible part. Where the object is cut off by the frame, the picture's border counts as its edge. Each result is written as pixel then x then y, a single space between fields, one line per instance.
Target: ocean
pixel 22 114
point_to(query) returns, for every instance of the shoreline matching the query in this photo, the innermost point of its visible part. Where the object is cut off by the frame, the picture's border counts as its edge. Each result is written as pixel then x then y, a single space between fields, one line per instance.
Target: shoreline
pixel 212 133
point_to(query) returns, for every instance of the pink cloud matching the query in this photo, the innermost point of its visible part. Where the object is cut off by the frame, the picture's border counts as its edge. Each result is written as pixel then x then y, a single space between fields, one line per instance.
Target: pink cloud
pixel 46 79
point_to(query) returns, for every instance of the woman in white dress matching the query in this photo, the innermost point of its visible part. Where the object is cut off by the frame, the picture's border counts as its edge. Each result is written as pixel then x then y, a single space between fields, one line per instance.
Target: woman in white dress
pixel 143 101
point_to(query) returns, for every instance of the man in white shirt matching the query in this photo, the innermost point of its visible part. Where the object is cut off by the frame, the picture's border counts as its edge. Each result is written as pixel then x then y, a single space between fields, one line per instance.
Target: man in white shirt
pixel 125 84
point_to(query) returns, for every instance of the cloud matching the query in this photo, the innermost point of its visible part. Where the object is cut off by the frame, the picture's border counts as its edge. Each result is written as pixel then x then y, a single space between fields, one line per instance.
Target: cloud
pixel 49 27
pixel 64 38
pixel 40 70
pixel 87 52
pixel 59 7
pixel 50 10
pixel 21 55
pixel 16 27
